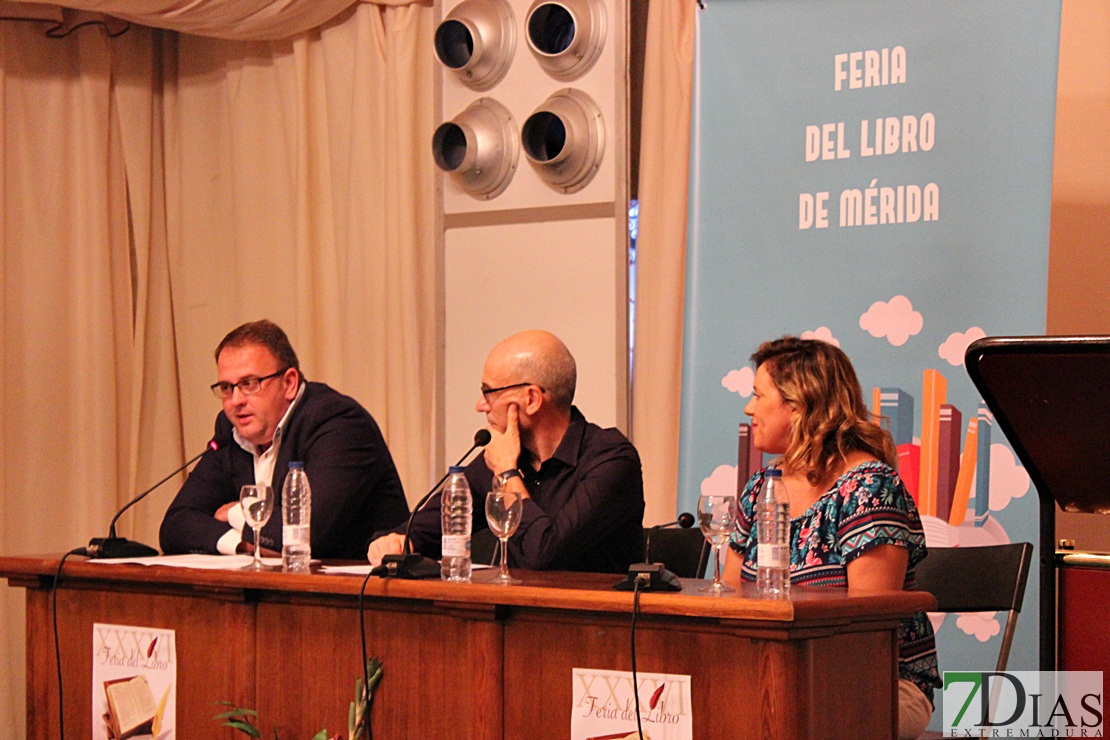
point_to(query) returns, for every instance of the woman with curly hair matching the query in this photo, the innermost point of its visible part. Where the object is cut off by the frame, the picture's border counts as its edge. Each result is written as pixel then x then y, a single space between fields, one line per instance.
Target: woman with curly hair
pixel 853 523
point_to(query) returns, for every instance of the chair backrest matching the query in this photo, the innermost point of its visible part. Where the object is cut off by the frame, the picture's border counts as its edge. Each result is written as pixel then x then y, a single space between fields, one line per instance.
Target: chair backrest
pixel 484 547
pixel 979 579
pixel 684 552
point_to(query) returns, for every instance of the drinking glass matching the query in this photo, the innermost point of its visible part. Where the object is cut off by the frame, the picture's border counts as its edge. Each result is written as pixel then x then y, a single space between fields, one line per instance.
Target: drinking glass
pixel 503 511
pixel 258 505
pixel 717 516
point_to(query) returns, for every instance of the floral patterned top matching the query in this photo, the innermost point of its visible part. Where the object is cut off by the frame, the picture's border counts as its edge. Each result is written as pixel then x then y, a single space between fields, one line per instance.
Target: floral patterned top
pixel 867 506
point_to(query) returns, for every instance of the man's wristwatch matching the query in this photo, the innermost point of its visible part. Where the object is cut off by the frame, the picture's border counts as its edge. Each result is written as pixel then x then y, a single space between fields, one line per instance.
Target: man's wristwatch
pixel 508 475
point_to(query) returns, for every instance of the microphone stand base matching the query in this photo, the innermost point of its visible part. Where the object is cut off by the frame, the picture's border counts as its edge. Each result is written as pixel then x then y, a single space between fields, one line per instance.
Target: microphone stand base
pixel 118 547
pixel 411 566
pixel 651 577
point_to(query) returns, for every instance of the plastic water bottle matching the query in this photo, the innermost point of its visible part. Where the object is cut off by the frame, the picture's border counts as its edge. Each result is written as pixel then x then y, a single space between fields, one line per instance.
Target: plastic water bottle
pixel 457 509
pixel 772 514
pixel 296 516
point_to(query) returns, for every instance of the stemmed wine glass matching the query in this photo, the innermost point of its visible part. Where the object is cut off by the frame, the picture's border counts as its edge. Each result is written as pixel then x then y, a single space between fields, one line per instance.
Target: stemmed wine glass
pixel 503 511
pixel 258 505
pixel 717 516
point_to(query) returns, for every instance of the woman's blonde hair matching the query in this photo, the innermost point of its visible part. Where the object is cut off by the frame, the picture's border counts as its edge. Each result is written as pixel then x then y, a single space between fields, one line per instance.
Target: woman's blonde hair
pixel 818 380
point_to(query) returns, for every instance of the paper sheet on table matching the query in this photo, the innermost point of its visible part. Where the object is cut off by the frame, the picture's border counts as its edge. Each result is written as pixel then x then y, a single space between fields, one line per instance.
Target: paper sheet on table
pixel 235 562
pixel 204 562
pixel 361 570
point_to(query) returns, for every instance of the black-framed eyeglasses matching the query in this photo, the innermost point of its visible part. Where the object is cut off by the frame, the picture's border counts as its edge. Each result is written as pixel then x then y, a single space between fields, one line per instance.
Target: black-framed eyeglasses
pixel 246 386
pixel 487 392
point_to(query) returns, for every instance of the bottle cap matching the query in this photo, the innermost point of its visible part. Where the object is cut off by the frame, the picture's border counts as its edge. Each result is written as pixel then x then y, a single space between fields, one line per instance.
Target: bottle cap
pixel 774 473
pixel 296 465
pixel 455 469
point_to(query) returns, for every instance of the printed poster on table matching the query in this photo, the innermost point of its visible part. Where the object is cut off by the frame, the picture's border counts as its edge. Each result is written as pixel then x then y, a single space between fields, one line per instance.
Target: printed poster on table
pixel 134 683
pixel 604 706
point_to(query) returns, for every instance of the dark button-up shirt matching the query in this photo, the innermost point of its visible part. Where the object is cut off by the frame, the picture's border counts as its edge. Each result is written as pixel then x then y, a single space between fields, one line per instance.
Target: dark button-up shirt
pixel 586 509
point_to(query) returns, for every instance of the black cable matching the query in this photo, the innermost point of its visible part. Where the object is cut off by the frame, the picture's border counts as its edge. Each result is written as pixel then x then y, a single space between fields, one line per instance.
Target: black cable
pixel 635 679
pixel 57 647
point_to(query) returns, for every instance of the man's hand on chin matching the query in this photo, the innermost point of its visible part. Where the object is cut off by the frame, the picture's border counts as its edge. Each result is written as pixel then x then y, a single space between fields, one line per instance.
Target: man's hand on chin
pixel 503 450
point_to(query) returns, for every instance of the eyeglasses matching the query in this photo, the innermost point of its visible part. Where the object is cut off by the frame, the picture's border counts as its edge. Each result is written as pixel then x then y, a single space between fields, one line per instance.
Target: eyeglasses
pixel 246 386
pixel 487 392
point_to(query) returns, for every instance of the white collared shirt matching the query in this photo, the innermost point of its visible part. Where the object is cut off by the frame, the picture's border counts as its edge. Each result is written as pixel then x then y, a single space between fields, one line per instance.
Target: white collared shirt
pixel 264 463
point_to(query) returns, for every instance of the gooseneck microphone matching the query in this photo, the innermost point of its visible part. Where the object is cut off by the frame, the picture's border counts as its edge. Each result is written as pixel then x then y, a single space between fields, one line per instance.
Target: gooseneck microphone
pixel 649 576
pixel 412 564
pixel 685 521
pixel 120 547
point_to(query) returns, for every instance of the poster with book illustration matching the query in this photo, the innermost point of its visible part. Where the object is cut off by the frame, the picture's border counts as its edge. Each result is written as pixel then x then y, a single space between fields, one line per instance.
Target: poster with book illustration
pixel 134 683
pixel 604 706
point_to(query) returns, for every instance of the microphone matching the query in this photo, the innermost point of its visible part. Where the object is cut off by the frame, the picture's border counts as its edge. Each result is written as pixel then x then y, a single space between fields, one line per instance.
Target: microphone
pixel 120 547
pixel 654 576
pixel 413 565
pixel 685 521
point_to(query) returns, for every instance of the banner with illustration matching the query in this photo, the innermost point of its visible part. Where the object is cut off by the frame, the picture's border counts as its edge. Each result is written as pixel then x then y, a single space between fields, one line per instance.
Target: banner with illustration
pixel 604 706
pixel 876 174
pixel 134 683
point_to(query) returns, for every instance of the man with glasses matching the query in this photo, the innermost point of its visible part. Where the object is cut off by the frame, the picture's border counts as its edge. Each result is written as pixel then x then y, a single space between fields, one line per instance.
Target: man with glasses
pixel 582 485
pixel 271 416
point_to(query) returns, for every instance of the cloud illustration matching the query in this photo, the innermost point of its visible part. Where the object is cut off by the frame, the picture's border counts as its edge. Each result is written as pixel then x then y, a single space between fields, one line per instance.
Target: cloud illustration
pixel 939 533
pixel 1009 480
pixel 895 320
pixel 721 483
pixel 955 346
pixel 823 333
pixel 982 625
pixel 740 381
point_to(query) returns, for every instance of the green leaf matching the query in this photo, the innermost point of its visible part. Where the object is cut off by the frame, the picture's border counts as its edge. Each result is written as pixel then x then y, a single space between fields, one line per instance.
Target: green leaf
pixel 244 727
pixel 321 735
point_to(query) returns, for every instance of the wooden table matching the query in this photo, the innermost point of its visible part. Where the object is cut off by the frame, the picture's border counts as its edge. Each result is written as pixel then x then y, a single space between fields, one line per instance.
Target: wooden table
pixel 466 660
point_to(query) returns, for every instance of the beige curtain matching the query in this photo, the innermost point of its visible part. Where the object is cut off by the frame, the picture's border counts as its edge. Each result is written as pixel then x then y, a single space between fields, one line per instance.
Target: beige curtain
pixel 661 249
pixel 69 287
pixel 157 189
pixel 225 19
pixel 298 188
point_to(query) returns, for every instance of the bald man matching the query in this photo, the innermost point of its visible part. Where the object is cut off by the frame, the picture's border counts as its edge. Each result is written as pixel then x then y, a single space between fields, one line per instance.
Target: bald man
pixel 582 485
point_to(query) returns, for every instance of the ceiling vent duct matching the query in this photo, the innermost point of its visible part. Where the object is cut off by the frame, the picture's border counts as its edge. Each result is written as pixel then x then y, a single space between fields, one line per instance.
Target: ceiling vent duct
pixel 478 148
pixel 477 41
pixel 566 36
pixel 564 140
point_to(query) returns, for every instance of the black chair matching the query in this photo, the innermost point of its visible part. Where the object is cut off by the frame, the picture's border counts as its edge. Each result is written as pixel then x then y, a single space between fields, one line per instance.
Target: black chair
pixel 684 552
pixel 990 578
pixel 484 547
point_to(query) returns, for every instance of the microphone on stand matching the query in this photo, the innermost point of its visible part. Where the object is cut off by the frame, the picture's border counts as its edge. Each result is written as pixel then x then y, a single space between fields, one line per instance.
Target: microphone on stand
pixel 121 547
pixel 685 521
pixel 413 565
pixel 654 576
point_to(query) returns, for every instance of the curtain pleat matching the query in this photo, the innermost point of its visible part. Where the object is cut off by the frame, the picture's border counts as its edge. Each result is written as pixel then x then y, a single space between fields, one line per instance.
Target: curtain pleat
pixel 661 250
pixel 243 20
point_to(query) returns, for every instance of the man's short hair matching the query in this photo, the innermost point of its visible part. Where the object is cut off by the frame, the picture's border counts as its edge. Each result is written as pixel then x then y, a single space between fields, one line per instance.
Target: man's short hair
pixel 265 333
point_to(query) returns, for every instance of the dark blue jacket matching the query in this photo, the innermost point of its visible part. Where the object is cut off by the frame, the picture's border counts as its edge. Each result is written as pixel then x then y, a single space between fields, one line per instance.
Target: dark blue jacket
pixel 355 486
